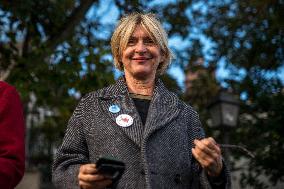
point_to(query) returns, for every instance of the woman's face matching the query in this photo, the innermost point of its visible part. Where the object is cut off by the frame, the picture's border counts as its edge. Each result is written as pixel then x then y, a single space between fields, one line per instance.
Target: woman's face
pixel 142 55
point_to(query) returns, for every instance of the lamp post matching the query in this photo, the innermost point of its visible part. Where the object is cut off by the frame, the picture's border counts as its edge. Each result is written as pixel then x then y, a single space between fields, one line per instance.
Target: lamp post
pixel 224 112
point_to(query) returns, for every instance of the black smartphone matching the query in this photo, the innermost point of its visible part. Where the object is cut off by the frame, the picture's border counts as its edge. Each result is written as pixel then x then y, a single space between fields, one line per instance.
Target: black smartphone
pixel 110 167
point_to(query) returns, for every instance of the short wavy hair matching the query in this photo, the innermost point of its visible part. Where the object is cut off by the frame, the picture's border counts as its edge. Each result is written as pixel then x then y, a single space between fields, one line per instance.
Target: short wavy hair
pixel 152 25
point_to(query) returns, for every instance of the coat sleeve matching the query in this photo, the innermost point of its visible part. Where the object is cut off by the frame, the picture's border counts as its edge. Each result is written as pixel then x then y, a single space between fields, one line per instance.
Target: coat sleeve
pixel 12 137
pixel 71 154
pixel 221 182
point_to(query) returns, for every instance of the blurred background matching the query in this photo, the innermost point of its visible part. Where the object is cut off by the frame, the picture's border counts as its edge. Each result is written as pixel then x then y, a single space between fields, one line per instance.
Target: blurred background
pixel 54 52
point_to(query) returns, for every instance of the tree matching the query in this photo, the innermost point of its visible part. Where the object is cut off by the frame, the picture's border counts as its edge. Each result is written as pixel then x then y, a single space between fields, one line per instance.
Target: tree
pixel 248 36
pixel 54 52
pixel 43 54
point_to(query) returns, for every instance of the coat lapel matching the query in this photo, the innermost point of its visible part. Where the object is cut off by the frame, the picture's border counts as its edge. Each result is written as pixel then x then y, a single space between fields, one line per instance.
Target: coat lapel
pixel 163 109
pixel 118 95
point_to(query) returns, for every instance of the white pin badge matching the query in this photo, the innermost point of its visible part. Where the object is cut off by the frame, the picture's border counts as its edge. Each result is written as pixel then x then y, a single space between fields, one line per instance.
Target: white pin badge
pixel 114 108
pixel 124 120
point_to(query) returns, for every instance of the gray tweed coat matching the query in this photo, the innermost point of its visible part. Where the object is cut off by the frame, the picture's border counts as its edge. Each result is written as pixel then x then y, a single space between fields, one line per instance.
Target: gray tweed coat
pixel 157 155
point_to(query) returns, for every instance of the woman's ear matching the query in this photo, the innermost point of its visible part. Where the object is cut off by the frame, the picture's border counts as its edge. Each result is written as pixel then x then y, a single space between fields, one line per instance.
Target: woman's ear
pixel 162 62
pixel 163 57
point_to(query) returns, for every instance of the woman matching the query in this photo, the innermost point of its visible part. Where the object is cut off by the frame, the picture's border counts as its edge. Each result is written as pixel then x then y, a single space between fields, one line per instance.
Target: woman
pixel 138 121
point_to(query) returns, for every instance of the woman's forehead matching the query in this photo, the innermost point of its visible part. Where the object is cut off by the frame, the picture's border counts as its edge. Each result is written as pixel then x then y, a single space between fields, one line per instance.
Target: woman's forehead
pixel 141 31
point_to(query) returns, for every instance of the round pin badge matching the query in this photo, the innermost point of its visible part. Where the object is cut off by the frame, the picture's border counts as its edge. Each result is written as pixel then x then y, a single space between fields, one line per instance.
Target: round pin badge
pixel 114 108
pixel 124 120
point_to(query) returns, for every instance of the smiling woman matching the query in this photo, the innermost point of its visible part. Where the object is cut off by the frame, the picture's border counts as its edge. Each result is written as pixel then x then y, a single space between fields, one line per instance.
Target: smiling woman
pixel 142 56
pixel 139 122
pixel 154 35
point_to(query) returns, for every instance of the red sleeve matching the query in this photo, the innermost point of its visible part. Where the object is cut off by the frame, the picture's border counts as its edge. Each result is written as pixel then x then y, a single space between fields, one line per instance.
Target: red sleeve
pixel 12 137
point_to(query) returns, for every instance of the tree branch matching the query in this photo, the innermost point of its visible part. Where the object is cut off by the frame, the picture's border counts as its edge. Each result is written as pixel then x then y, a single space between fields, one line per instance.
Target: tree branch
pixel 5 73
pixel 16 51
pixel 70 24
pixel 66 31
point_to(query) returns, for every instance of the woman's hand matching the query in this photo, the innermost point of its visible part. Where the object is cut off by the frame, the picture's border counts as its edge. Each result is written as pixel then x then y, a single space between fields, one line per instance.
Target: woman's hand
pixel 90 179
pixel 208 154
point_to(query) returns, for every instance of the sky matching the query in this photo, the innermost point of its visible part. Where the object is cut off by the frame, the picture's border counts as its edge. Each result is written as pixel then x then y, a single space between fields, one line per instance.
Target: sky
pixel 109 15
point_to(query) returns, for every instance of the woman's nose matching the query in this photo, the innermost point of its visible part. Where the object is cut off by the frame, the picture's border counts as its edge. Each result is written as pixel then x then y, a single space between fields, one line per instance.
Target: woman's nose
pixel 140 47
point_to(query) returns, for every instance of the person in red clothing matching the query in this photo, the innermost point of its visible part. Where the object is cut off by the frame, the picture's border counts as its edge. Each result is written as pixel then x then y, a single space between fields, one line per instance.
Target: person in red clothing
pixel 12 137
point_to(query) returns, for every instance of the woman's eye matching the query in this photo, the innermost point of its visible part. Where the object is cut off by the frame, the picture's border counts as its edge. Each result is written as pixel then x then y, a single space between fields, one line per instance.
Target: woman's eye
pixel 149 41
pixel 131 42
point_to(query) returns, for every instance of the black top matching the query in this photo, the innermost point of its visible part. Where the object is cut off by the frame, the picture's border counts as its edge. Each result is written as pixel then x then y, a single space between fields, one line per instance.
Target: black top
pixel 142 103
pixel 142 106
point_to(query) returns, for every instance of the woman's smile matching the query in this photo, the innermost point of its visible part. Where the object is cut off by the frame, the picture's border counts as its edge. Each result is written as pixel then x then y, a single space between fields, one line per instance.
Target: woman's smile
pixel 141 59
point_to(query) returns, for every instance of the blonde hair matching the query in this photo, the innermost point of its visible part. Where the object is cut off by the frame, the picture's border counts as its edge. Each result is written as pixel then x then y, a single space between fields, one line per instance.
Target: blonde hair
pixel 124 30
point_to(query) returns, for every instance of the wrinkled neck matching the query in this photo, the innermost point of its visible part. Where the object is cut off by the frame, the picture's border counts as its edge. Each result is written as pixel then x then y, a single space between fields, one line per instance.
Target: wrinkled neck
pixel 143 87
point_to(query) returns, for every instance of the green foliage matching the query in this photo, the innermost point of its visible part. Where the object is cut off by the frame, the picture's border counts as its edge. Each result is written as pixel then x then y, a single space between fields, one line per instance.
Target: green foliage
pixel 262 118
pixel 248 35
pixel 51 50
pixel 52 65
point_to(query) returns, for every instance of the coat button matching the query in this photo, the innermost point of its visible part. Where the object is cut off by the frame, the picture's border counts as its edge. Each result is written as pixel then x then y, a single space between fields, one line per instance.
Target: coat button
pixel 177 178
pixel 142 172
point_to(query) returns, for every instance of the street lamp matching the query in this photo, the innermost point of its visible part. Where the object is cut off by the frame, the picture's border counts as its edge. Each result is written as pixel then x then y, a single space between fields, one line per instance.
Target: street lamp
pixel 224 112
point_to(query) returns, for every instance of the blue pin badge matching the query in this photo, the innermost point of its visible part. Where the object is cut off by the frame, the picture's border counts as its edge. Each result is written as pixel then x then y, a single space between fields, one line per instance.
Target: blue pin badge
pixel 114 108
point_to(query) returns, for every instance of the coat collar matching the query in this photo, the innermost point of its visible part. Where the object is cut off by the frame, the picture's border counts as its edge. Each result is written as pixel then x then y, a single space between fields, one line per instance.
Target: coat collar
pixel 163 109
pixel 120 88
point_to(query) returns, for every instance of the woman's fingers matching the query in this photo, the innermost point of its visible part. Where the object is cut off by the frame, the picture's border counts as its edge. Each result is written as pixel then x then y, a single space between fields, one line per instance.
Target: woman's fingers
pixel 89 178
pixel 208 154
pixel 88 169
